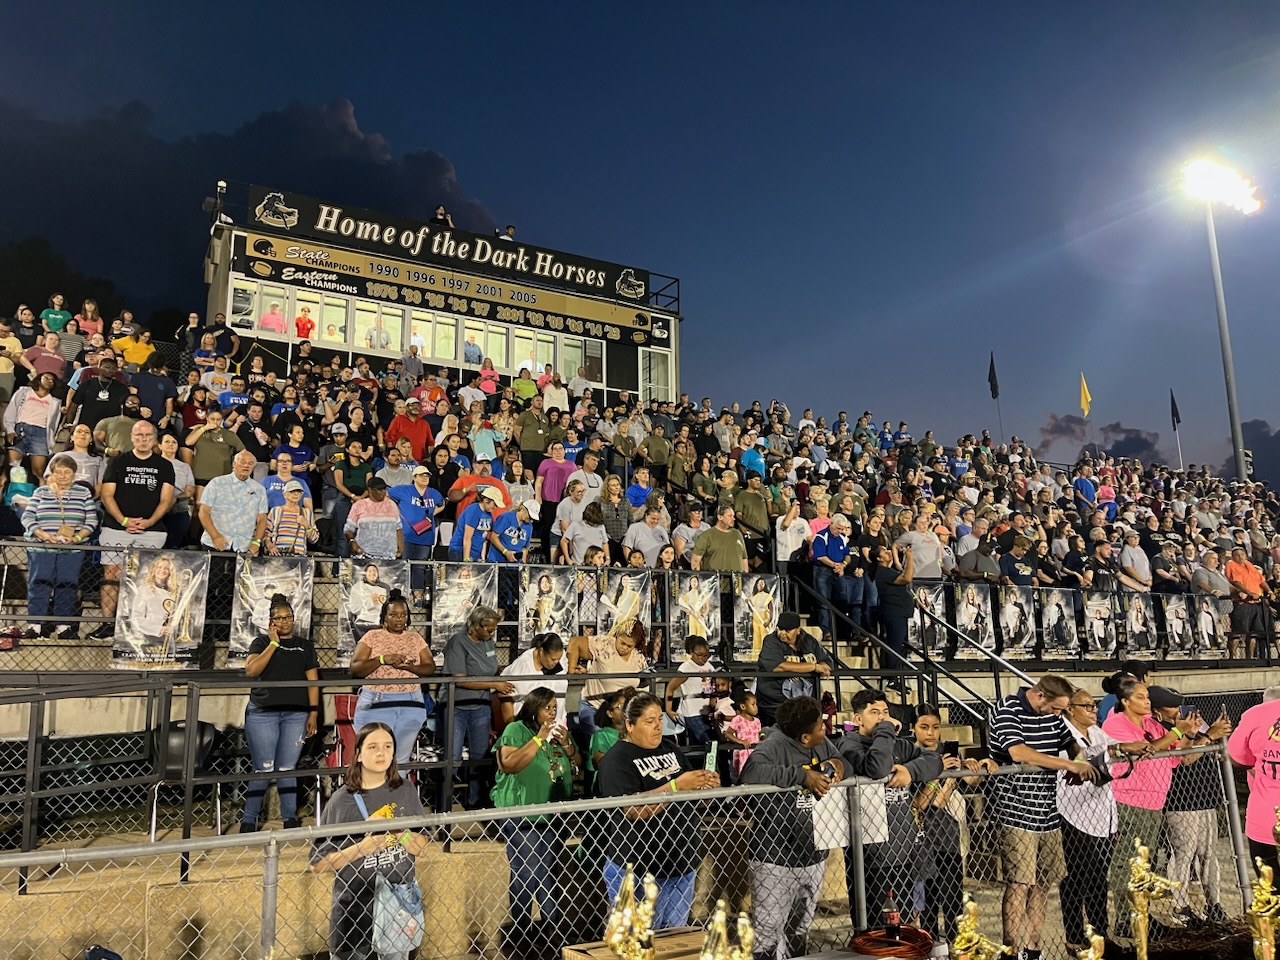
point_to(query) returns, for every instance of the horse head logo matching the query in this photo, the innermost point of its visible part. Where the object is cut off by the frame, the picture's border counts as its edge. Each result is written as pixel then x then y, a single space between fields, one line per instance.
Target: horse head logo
pixel 628 286
pixel 274 212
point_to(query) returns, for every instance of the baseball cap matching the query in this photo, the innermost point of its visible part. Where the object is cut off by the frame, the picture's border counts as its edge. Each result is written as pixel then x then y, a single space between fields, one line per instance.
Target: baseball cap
pixel 533 508
pixel 413 402
pixel 788 620
pixel 293 486
pixel 376 483
pixel 491 492
pixel 1164 697
pixel 421 471
pixel 338 428
pixel 483 458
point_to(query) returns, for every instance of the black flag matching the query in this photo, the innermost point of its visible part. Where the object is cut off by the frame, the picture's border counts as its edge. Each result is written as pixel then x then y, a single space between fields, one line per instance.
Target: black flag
pixel 991 378
pixel 1173 412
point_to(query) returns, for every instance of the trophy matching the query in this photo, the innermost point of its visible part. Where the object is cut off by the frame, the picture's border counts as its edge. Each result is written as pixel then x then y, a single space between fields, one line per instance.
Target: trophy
pixel 1262 913
pixel 716 946
pixel 629 930
pixel 969 944
pixel 1097 945
pixel 1145 885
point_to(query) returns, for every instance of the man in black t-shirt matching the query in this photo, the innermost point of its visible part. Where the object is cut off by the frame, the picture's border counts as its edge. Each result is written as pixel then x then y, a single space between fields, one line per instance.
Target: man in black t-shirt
pixel 99 397
pixel 137 491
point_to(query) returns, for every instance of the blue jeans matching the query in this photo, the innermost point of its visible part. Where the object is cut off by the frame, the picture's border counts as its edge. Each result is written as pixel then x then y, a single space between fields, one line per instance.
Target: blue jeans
pixel 697 729
pixel 534 851
pixel 675 895
pixel 587 718
pixel 417 571
pixel 402 712
pixel 275 744
pixel 837 589
pixel 471 729
pixel 341 510
pixel 52 578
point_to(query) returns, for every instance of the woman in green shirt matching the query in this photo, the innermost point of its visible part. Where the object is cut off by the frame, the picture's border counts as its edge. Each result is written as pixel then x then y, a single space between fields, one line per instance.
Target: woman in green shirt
pixel 536 763
pixel 55 317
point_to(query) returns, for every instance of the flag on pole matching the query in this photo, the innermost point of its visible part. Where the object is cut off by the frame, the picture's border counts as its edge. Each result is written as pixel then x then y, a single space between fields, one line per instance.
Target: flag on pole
pixel 1085 399
pixel 991 377
pixel 1173 412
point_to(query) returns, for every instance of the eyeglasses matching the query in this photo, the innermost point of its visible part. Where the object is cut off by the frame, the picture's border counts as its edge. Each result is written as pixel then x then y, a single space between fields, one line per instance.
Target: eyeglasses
pixel 1090 705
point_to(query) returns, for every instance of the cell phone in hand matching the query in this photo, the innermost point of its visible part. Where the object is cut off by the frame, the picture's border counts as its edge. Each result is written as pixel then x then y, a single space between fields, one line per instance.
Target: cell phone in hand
pixel 713 750
pixel 951 748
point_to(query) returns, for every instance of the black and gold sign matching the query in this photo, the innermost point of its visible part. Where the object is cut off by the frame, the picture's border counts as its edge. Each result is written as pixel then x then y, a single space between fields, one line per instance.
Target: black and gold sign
pixel 423 243
pixel 331 270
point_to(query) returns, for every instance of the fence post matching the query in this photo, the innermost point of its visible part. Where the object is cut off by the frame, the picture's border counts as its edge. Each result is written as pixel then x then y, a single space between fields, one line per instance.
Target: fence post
pixel 270 893
pixel 859 892
pixel 1243 871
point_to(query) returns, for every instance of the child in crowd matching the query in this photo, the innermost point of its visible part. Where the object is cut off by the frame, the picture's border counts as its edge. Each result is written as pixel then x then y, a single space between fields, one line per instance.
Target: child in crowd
pixel 744 728
pixel 609 724
pixel 695 709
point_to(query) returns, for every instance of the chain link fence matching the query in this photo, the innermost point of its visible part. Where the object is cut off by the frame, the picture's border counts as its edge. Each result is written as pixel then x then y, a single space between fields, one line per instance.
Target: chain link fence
pixel 525 882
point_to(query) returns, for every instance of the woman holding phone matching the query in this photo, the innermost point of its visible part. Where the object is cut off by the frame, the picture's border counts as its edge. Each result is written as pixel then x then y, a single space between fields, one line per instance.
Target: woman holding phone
pixel 537 760
pixel 278 720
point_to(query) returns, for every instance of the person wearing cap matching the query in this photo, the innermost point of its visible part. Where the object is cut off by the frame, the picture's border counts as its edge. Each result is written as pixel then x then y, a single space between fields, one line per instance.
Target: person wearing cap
pixel 1191 811
pixel 752 457
pixel 508 539
pixel 291 525
pixel 463 491
pixel 331 455
pixel 418 504
pixel 831 555
pixel 373 528
pixel 473 524
pixel 790 663
pixel 411 424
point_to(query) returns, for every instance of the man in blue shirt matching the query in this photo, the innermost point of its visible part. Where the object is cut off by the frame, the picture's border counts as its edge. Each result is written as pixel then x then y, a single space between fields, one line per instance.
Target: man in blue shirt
pixel 236 396
pixel 752 458
pixel 157 392
pixel 1085 494
pixel 508 541
pixel 419 504
pixel 1016 568
pixel 831 555
pixel 474 523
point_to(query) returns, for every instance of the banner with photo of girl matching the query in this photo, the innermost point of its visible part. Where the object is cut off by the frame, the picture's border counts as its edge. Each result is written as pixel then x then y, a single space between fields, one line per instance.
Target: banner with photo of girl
pixel 695 612
pixel 923 633
pixel 1017 622
pixel 757 601
pixel 257 580
pixel 456 590
pixel 973 619
pixel 548 603
pixel 160 616
pixel 1058 623
pixel 1141 639
pixel 1196 627
pixel 363 587
pixel 624 593
pixel 1100 636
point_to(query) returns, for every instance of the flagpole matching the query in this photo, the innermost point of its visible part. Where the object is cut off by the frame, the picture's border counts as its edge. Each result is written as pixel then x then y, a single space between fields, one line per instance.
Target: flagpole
pixel 1000 418
pixel 1177 436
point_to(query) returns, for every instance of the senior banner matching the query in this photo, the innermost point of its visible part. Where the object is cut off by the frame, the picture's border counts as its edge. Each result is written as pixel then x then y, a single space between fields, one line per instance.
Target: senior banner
pixel 1140 634
pixel 756 604
pixel 1210 624
pixel 973 619
pixel 160 615
pixel 624 593
pixel 695 612
pixel 456 590
pixel 257 580
pixel 1017 622
pixel 923 632
pixel 1101 638
pixel 1058 624
pixel 1180 638
pixel 363 587
pixel 548 603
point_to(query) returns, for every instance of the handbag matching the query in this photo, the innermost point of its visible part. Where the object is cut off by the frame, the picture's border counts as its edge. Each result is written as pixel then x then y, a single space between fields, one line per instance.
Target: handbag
pixel 398 916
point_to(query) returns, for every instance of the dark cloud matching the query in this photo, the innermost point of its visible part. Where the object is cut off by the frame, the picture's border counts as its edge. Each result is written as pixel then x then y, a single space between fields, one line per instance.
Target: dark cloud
pixel 118 200
pixel 1265 446
pixel 1113 438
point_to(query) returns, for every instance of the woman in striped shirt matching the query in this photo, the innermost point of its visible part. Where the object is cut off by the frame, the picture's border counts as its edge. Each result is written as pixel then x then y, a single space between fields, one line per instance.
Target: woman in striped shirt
pixel 291 526
pixel 60 512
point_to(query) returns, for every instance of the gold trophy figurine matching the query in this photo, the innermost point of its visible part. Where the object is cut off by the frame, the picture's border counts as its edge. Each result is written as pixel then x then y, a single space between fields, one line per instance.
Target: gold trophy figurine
pixel 1145 885
pixel 1097 945
pixel 716 945
pixel 1262 913
pixel 969 944
pixel 629 930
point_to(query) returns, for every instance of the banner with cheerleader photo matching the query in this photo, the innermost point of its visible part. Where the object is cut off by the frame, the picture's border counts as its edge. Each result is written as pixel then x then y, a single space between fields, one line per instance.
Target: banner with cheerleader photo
pixel 160 615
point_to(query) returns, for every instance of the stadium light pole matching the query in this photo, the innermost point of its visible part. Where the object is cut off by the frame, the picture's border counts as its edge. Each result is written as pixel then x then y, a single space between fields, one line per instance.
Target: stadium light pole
pixel 1213 183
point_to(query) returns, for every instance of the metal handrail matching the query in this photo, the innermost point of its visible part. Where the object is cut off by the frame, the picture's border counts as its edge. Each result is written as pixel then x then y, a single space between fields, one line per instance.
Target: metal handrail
pixel 969 641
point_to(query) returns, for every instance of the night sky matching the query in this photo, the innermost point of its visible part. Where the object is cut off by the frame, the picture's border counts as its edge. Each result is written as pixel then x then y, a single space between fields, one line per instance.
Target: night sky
pixel 861 200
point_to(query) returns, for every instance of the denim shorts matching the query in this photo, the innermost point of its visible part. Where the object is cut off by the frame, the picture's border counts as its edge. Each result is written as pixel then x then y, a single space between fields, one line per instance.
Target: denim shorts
pixel 32 441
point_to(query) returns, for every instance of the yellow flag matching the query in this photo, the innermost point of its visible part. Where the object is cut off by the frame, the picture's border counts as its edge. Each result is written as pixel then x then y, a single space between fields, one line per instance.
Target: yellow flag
pixel 1085 398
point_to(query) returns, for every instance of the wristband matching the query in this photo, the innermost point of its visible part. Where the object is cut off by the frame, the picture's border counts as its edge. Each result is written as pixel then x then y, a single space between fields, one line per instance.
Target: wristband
pixel 382 659
pixel 404 838
pixel 674 788
pixel 274 643
pixel 255 543
pixel 1177 734
pixel 539 741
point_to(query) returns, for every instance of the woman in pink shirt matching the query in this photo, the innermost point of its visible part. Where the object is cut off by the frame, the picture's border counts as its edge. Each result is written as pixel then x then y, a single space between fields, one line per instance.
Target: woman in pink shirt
pixel 1140 795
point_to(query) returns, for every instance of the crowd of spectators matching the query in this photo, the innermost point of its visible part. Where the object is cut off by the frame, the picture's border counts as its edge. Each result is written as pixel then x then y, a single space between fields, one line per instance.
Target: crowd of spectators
pixel 389 457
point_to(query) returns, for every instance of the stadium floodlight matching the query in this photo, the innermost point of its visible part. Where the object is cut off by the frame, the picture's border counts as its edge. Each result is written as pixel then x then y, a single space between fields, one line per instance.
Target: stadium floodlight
pixel 1213 183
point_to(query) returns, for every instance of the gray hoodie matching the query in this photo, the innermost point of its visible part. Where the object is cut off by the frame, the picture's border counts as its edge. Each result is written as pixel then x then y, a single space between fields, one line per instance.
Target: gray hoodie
pixel 783 822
